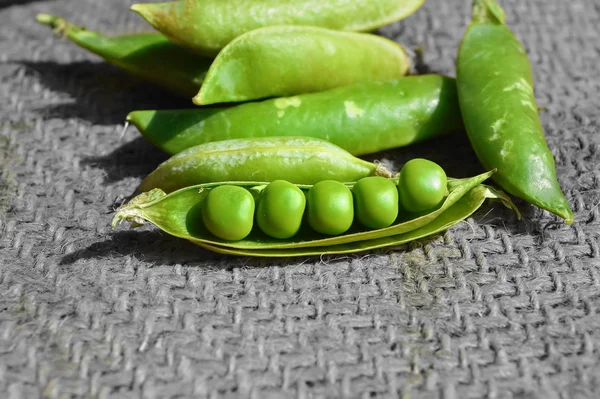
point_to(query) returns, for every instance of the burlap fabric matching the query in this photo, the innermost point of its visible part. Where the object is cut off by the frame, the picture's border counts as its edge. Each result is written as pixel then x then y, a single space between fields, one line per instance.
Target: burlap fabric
pixel 494 308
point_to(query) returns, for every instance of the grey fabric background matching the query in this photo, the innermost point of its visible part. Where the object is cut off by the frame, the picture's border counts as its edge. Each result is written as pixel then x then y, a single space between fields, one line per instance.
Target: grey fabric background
pixel 494 308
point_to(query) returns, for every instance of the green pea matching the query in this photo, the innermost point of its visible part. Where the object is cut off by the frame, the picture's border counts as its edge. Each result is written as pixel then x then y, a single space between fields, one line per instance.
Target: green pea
pixel 150 56
pixel 375 202
pixel 362 118
pixel 330 207
pixel 280 209
pixel 422 185
pixel 281 61
pixel 228 212
pixel 207 26
pixel 495 91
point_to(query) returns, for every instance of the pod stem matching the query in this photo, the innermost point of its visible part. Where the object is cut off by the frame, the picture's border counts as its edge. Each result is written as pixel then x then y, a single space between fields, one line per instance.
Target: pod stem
pixel 381 170
pixel 488 11
pixel 58 24
pixel 416 60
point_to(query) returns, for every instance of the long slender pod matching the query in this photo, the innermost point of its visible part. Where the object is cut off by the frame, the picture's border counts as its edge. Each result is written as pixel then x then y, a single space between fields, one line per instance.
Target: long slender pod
pixel 363 118
pixel 495 91
pixel 150 56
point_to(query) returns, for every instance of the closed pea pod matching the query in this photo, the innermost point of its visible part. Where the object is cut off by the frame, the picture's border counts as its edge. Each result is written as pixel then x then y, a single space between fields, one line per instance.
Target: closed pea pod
pixel 330 208
pixel 376 201
pixel 228 212
pixel 299 160
pixel 495 88
pixel 150 56
pixel 421 185
pixel 286 60
pixel 362 118
pixel 208 25
pixel 280 209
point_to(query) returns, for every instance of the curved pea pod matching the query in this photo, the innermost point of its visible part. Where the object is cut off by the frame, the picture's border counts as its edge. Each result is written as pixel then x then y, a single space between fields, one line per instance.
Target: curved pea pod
pixel 150 56
pixel 362 118
pixel 495 91
pixel 286 60
pixel 300 160
pixel 208 25
pixel 178 213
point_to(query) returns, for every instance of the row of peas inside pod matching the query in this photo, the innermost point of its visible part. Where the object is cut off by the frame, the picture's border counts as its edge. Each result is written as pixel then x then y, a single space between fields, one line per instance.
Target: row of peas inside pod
pixel 329 207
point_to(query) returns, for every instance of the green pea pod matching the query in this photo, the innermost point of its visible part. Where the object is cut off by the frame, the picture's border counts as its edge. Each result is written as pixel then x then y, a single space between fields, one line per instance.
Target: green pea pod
pixel 178 214
pixel 150 56
pixel 208 25
pixel 495 91
pixel 300 160
pixel 280 61
pixel 362 118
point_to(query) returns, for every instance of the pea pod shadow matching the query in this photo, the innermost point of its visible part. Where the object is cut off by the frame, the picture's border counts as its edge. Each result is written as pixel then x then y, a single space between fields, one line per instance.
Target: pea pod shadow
pixel 451 152
pixel 147 245
pixel 154 246
pixel 136 158
pixel 151 245
pixel 10 3
pixel 100 93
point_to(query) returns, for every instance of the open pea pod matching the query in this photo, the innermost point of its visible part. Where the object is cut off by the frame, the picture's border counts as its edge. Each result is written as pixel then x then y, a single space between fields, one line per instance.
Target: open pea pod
pixel 462 209
pixel 178 214
pixel 150 56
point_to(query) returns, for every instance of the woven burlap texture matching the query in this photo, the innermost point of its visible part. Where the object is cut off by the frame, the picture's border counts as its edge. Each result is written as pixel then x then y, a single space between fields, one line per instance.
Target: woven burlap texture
pixel 493 308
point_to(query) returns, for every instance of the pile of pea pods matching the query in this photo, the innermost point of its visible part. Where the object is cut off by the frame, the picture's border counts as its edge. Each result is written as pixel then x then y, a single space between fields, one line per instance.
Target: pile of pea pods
pixel 298 91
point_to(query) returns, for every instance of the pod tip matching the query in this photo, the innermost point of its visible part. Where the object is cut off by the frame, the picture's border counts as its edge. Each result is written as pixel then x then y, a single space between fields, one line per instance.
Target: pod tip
pixel 197 99
pixel 140 119
pixel 137 7
pixel 145 11
pixel 51 20
pixel 488 11
pixel 568 216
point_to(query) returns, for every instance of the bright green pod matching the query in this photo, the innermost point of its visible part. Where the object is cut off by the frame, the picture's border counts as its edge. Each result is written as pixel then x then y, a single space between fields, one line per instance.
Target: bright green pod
pixel 208 25
pixel 177 214
pixel 280 209
pixel 375 202
pixel 228 212
pixel 421 185
pixel 330 209
pixel 300 160
pixel 495 90
pixel 281 61
pixel 150 56
pixel 362 118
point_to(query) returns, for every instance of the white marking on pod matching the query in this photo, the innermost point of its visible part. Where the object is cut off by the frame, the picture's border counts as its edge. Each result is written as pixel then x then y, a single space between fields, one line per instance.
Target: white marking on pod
pixel 285 102
pixel 496 127
pixel 352 110
pixel 506 148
